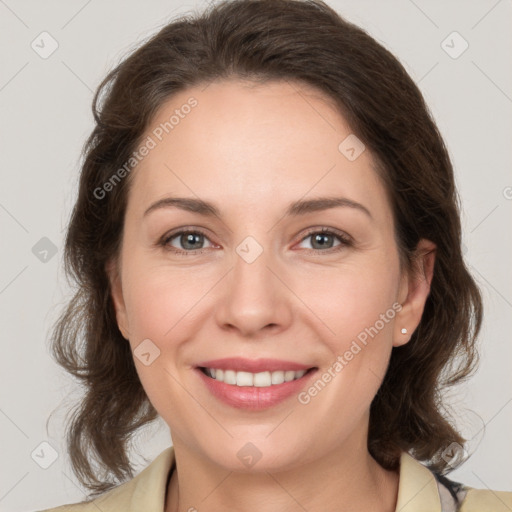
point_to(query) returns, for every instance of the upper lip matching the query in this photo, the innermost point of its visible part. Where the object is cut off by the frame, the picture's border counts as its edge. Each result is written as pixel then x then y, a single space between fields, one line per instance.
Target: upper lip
pixel 253 365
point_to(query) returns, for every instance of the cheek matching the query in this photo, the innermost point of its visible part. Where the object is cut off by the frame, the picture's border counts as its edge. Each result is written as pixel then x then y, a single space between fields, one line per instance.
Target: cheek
pixel 159 299
pixel 160 309
pixel 349 299
pixel 361 316
pixel 357 307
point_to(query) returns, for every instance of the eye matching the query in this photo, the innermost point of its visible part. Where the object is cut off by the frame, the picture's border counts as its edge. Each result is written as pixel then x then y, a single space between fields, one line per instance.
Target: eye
pixel 189 241
pixel 323 239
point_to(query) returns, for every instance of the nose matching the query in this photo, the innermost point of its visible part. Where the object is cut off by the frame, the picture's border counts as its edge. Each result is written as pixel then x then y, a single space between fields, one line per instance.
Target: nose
pixel 254 298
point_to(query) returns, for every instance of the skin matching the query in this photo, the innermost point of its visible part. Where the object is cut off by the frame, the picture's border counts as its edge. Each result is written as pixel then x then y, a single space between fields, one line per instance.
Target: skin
pixel 251 150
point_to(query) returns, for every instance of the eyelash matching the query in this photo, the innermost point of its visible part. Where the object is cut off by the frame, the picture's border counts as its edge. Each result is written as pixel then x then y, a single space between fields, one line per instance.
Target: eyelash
pixel 346 241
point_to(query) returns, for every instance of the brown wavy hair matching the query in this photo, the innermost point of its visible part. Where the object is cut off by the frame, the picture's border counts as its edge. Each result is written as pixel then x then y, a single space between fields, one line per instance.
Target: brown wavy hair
pixel 260 40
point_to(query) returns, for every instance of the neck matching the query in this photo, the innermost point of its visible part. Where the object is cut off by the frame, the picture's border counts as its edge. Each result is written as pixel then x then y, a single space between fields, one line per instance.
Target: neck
pixel 345 479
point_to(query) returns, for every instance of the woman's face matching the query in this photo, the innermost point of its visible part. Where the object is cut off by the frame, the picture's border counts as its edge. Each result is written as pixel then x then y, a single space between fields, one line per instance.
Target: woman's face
pixel 257 280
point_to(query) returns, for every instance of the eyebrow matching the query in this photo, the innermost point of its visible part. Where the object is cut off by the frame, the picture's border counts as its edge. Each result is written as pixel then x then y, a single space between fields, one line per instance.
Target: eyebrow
pixel 296 208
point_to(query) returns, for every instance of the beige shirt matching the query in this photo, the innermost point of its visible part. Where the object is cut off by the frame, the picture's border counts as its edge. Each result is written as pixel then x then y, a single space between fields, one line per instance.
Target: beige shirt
pixel 417 492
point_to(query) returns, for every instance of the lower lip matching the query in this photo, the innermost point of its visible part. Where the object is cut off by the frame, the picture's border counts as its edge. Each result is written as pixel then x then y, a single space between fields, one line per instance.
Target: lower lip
pixel 251 397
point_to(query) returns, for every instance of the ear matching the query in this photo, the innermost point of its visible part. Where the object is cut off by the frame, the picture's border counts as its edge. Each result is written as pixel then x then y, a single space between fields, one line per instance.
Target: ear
pixel 414 291
pixel 116 293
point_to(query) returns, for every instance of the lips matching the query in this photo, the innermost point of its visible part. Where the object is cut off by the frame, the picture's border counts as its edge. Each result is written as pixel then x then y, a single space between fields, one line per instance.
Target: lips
pixel 249 396
pixel 254 398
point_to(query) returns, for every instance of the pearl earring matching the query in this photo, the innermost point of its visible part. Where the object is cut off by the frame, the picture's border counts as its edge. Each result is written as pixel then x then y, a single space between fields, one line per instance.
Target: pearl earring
pixel 404 331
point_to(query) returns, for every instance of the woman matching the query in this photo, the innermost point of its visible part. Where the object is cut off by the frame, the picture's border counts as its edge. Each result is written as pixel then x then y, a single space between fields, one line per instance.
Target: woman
pixel 267 247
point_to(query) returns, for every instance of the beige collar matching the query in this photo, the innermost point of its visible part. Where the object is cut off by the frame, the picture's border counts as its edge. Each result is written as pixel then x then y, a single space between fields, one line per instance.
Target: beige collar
pixel 417 491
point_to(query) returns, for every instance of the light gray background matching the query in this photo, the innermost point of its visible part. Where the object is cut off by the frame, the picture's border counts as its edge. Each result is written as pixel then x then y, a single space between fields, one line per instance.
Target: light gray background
pixel 45 118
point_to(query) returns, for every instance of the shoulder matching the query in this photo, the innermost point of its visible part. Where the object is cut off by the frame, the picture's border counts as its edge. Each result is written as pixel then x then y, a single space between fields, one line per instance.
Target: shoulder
pixel 421 489
pixel 458 497
pixel 146 491
pixel 72 507
pixel 116 498
pixel 486 500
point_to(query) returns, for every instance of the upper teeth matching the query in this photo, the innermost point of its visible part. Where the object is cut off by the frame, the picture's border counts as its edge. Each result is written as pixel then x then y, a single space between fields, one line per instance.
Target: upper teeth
pixel 262 379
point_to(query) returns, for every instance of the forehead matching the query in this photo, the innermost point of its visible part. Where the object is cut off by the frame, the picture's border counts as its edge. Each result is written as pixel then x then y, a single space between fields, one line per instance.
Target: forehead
pixel 266 143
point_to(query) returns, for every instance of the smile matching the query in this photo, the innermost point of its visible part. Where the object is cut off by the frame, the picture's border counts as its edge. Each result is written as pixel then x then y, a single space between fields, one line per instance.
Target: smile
pixel 254 391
